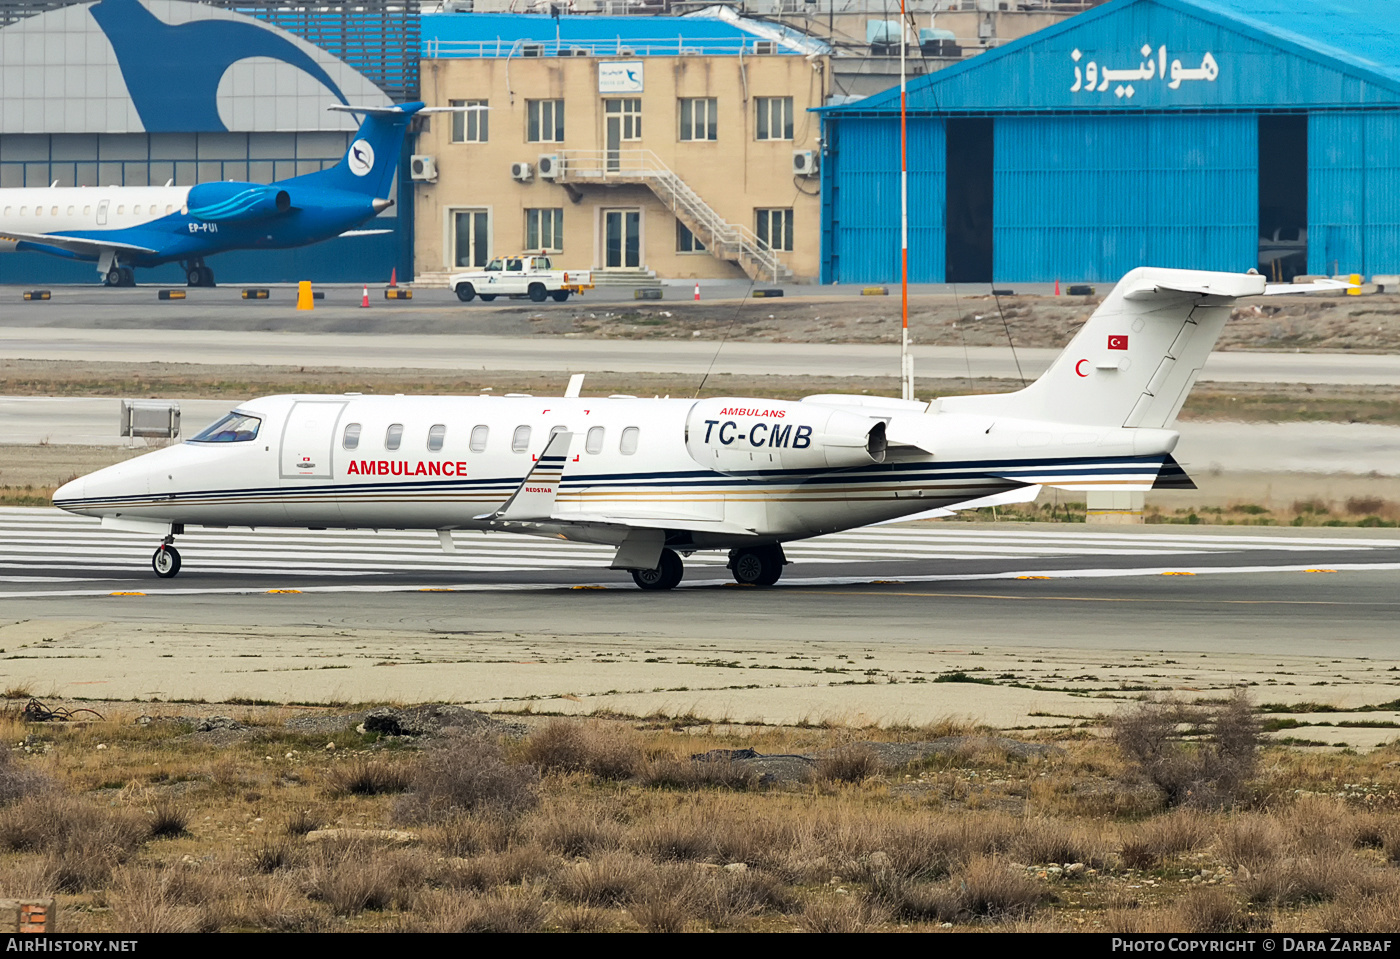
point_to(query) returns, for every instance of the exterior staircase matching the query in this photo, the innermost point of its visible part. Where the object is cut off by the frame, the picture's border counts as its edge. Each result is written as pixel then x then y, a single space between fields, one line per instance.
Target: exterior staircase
pixel 722 239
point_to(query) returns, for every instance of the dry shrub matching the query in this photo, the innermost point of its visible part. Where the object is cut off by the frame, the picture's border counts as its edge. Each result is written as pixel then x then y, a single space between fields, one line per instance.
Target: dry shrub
pixel 468 774
pixel 141 904
pixel 367 777
pixel 1051 841
pixel 683 836
pixel 1201 754
pixel 987 888
pixel 908 900
pixel 658 912
pixel 82 843
pixel 168 820
pixel 1375 911
pixel 1205 911
pixel 599 749
pixel 852 763
pixel 491 870
pixel 573 832
pixel 461 835
pixel 579 919
pixel 1293 882
pixel 1151 843
pixel 353 877
pixel 304 820
pixel 842 914
pixel 612 879
pixel 454 912
pixel 1251 841
pixel 724 898
pixel 671 773
pixel 272 854
pixel 274 904
pixel 17 781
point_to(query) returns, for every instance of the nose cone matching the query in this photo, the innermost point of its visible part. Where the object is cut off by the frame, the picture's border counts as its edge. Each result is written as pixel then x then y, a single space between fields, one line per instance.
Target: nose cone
pixel 70 494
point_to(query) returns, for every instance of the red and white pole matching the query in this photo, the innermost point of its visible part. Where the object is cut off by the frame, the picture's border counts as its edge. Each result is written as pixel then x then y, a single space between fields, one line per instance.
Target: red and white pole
pixel 697 292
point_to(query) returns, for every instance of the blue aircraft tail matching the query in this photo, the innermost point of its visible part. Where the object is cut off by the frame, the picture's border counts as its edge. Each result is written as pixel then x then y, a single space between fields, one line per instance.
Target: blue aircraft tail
pixel 369 163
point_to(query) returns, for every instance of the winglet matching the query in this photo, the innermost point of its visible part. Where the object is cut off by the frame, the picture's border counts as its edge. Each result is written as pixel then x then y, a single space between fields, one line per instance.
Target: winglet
pixel 533 500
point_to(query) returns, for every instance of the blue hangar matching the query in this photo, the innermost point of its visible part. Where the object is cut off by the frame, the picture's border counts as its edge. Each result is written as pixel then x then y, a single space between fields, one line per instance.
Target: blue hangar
pixel 1202 134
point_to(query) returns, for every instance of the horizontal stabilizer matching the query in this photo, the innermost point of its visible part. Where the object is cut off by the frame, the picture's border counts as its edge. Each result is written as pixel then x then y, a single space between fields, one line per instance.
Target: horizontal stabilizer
pixel 1022 494
pixel 365 232
pixel 1173 476
pixel 1321 285
pixel 1128 475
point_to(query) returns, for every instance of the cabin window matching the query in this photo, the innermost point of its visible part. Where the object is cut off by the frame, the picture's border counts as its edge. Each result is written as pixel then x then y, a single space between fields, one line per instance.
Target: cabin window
pixel 479 435
pixel 70 210
pixel 169 208
pixel 234 428
pixel 136 210
pixel 628 446
pixel 87 211
pixel 23 211
pixel 351 439
pixel 393 436
pixel 436 434
pixel 520 442
pixel 38 211
pixel 121 208
pixel 53 211
pixel 9 211
pixel 595 440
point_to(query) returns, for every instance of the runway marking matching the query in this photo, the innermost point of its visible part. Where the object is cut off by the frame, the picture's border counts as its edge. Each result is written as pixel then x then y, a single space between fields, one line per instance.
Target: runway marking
pixel 789 582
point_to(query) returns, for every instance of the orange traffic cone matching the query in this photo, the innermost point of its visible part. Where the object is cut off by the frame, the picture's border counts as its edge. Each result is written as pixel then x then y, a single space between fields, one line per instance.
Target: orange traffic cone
pixel 697 292
pixel 394 278
pixel 364 299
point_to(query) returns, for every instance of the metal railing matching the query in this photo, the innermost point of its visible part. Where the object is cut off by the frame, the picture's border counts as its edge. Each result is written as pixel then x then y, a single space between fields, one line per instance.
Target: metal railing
pixel 728 241
pixel 436 49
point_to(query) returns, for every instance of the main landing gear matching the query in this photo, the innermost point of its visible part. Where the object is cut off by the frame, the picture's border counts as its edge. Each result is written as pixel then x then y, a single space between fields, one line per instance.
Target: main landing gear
pixel 751 565
pixel 757 565
pixel 118 275
pixel 197 274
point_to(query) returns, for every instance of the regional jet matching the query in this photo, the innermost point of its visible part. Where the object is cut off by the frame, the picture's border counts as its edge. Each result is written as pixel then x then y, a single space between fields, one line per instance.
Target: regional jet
pixel 121 228
pixel 659 479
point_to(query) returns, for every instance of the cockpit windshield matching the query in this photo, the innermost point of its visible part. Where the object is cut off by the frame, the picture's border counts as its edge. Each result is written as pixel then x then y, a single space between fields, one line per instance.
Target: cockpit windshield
pixel 234 428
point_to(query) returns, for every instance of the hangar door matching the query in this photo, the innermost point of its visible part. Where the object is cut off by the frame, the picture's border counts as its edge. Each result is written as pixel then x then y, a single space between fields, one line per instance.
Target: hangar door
pixel 1354 193
pixel 860 199
pixel 1092 197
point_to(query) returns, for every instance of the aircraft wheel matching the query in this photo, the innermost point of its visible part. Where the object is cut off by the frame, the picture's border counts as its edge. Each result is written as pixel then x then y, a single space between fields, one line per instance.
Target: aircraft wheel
pixel 757 566
pixel 487 297
pixel 194 276
pixel 560 295
pixel 166 562
pixel 114 276
pixel 466 292
pixel 208 276
pixel 128 277
pixel 537 292
pixel 667 574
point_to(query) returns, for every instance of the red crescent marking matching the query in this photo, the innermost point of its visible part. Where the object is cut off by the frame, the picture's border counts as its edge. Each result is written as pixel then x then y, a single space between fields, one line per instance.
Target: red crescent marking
pixel 1078 365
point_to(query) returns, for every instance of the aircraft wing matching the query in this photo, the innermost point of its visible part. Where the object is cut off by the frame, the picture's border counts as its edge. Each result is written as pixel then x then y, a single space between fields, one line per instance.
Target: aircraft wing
pixel 73 244
pixel 620 521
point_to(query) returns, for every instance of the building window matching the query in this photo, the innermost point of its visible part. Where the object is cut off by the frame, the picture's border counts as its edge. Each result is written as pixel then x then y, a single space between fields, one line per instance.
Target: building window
pixel 687 242
pixel 774 118
pixel 469 127
pixel 545 121
pixel 698 119
pixel 774 227
pixel 544 229
pixel 627 114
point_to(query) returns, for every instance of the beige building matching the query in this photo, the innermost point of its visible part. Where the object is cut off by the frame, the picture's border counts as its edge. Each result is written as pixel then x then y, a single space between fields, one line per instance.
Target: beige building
pixel 687 167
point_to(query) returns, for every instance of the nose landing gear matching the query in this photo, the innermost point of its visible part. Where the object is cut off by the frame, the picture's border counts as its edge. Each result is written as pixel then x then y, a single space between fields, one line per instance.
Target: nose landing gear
pixel 166 559
pixel 757 565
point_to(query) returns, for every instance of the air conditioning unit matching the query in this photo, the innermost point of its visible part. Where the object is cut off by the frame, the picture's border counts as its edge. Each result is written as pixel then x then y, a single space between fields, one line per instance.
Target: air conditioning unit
pixel 532 49
pixel 549 165
pixel 764 48
pixel 422 167
pixel 522 172
pixel 804 162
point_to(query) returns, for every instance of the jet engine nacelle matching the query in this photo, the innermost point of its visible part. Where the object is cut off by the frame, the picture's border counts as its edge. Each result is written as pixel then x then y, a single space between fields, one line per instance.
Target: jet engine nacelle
pixel 226 202
pixel 736 436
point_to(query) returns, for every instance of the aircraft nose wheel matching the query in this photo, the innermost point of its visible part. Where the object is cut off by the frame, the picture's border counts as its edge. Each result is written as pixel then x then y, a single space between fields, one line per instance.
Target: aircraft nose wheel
pixel 667 574
pixel 166 561
pixel 758 565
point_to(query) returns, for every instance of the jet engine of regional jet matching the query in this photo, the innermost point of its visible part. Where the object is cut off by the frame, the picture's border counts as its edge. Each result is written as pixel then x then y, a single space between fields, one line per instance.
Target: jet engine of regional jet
pixel 230 201
pixel 737 436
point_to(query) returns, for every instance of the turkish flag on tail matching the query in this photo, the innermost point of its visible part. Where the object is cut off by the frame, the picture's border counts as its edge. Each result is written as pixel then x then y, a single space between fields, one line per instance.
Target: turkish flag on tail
pixel 1117 342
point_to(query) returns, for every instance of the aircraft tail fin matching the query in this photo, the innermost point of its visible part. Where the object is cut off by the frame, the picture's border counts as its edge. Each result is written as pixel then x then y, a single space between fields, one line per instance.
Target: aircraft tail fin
pixel 373 155
pixel 1135 360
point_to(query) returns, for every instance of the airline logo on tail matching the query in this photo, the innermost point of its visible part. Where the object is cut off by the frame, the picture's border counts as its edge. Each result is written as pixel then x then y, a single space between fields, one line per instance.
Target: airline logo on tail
pixel 361 157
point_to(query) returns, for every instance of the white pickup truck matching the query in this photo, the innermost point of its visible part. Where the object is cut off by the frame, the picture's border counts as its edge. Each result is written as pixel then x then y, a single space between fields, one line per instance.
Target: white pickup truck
pixel 520 276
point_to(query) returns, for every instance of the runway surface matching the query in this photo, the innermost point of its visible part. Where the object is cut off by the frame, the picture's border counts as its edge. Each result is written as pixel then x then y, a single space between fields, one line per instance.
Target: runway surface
pixel 383 348
pixel 1054 623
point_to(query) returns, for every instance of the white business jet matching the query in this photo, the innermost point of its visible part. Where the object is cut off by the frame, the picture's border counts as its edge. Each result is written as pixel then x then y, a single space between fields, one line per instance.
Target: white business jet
pixel 663 478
